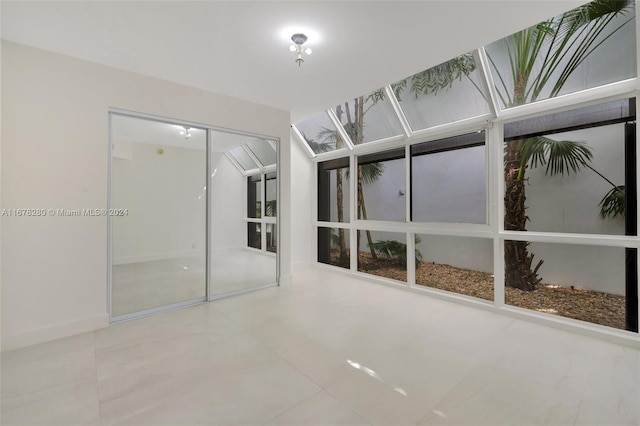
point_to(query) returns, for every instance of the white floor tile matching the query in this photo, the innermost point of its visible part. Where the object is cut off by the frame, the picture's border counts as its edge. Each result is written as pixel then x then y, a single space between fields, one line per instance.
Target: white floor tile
pixel 327 350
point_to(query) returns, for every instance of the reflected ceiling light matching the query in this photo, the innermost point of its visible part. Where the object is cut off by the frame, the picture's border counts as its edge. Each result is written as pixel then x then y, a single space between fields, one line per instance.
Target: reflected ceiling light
pixel 299 39
pixel 186 132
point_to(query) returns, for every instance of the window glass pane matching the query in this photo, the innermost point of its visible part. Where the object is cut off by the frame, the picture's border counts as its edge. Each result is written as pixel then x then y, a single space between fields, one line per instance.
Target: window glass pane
pixel 272 237
pixel 243 159
pixel 548 195
pixel 254 196
pixel 333 190
pixel 446 93
pixel 320 133
pixel 457 264
pixel 383 254
pixel 449 180
pixel 334 246
pixel 571 57
pixel 383 182
pixel 577 281
pixel 368 118
pixel 271 185
pixel 263 151
pixel 254 235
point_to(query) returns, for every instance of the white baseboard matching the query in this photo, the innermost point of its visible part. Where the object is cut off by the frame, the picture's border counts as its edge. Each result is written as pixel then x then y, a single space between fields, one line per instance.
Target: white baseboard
pixel 53 332
pixel 158 256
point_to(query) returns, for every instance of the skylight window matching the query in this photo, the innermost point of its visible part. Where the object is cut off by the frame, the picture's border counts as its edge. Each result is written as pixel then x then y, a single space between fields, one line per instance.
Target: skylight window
pixel 263 151
pixel 319 133
pixel 368 118
pixel 586 47
pixel 448 92
pixel 241 156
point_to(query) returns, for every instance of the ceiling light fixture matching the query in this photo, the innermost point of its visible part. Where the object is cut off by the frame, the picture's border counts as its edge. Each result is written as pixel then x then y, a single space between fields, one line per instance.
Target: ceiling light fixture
pixel 186 132
pixel 299 39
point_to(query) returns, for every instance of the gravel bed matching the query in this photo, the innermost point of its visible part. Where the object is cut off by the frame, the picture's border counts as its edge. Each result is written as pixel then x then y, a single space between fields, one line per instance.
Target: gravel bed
pixel 566 301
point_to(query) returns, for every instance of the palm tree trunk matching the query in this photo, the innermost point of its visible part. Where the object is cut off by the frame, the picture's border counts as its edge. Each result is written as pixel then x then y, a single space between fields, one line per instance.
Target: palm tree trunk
pixel 518 271
pixel 362 213
pixel 518 260
pixel 344 260
pixel 359 136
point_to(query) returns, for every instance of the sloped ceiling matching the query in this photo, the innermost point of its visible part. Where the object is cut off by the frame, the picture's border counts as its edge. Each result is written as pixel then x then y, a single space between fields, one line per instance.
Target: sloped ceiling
pixel 240 48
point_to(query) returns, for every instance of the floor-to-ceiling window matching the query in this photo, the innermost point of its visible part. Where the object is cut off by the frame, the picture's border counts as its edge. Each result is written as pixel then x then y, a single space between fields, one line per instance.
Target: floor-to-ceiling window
pixel 506 175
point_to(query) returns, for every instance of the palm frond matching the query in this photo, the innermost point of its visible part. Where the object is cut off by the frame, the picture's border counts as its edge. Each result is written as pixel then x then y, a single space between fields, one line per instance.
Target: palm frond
pixel 442 76
pixel 559 157
pixel 544 56
pixel 335 238
pixel 395 250
pixel 371 172
pixel 271 207
pixel 398 87
pixel 375 96
pixel 612 204
pixel 318 147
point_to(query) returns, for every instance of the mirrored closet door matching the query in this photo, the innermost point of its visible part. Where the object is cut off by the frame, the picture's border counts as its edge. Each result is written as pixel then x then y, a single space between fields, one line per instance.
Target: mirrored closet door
pixel 158 183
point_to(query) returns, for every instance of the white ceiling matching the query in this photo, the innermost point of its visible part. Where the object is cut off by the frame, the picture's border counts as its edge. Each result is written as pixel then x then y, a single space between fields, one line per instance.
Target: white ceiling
pixel 240 48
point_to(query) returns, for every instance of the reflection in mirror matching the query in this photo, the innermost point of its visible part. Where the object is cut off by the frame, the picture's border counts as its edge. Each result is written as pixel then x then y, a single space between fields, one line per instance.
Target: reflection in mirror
pixel 243 212
pixel 158 181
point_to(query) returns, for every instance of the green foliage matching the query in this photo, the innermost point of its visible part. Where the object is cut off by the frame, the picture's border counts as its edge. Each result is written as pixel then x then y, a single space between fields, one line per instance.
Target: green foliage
pixel 396 251
pixel 432 80
pixel 563 43
pixel 271 208
pixel 560 157
pixel 612 204
pixel 371 172
pixel 442 77
pixel 318 147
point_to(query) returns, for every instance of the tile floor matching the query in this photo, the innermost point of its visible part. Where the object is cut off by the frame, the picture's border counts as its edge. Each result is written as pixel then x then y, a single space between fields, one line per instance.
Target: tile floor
pixel 328 350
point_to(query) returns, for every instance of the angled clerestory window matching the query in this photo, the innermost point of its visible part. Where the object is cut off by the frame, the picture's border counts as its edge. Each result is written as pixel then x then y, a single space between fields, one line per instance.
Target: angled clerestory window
pixel 320 134
pixel 451 91
pixel 368 118
pixel 243 159
pixel 263 151
pixel 583 48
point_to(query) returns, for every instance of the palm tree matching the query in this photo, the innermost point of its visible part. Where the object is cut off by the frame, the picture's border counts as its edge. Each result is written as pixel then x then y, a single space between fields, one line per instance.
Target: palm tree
pixel 329 138
pixel 542 58
pixel 367 173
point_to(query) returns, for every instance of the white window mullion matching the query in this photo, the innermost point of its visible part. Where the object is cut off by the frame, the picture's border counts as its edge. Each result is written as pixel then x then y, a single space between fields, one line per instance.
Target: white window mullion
pixel 341 131
pixel 495 159
pixel 298 136
pixel 353 213
pixel 483 62
pixel 407 184
pixel 254 158
pixel 235 163
pixel 411 255
pixel 406 128
pixel 263 211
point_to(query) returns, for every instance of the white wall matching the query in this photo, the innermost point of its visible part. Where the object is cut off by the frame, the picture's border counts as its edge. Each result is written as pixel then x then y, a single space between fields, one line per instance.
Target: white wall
pixel 302 193
pixel 165 200
pixel 55 150
pixel 228 204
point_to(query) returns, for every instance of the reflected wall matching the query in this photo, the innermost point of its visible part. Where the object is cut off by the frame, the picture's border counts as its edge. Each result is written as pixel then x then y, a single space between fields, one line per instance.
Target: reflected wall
pixel 158 242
